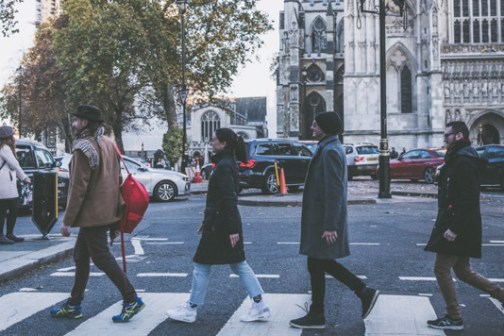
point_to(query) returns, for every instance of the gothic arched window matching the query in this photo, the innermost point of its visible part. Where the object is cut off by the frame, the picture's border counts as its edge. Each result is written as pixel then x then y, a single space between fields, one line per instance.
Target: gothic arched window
pixel 406 91
pixel 478 21
pixel 315 75
pixel 318 36
pixel 210 122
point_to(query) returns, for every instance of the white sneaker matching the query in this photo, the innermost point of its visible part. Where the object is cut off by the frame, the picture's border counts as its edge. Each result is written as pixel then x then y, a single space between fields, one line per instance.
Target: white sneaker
pixel 183 313
pixel 258 312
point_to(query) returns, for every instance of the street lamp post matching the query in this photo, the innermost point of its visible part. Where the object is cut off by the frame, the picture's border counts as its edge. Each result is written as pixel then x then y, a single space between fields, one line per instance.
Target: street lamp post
pixel 384 158
pixel 20 100
pixel 302 100
pixel 183 92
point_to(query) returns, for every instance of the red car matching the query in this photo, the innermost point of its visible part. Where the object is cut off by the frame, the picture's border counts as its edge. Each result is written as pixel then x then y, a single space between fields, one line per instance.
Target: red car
pixel 417 164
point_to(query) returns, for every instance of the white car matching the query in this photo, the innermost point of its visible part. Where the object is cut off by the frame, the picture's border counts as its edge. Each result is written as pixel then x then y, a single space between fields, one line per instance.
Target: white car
pixel 163 185
pixel 362 159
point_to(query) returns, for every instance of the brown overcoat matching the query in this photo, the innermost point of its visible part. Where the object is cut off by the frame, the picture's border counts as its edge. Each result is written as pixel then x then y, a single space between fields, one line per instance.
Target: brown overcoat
pixel 93 194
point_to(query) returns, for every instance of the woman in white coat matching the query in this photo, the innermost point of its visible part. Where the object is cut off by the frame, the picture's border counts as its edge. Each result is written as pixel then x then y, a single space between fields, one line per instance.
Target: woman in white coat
pixel 10 171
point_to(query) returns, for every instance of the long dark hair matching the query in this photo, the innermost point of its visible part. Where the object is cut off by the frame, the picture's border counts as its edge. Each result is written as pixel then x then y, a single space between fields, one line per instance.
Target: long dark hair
pixel 234 143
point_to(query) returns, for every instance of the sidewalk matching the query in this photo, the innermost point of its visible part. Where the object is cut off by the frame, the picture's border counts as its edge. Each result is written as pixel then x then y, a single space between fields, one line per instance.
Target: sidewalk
pixel 35 251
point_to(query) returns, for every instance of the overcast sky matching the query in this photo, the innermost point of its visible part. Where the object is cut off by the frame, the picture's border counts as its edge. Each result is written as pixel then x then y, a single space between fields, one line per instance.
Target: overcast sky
pixel 252 81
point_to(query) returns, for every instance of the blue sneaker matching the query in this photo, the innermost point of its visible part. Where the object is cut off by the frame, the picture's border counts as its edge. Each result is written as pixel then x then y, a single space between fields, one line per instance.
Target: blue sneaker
pixel 129 310
pixel 67 311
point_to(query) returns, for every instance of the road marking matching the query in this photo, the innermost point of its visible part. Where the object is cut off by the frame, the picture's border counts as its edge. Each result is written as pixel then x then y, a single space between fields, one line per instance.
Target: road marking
pixel 497 304
pixel 137 245
pixel 425 294
pixel 150 239
pixel 421 244
pixel 497 241
pixel 154 274
pixel 284 307
pixel 493 245
pixel 149 318
pixel 71 268
pixel 496 279
pixel 263 276
pixel 72 274
pixel 18 306
pixel 362 277
pixel 401 315
pixel 165 243
pixel 410 278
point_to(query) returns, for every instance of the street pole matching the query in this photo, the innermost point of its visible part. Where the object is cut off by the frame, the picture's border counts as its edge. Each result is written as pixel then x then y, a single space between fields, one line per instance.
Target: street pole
pixel 20 98
pixel 183 91
pixel 384 158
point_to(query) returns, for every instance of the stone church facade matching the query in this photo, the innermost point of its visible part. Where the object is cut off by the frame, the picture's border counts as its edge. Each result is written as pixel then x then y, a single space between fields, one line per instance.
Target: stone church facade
pixel 444 62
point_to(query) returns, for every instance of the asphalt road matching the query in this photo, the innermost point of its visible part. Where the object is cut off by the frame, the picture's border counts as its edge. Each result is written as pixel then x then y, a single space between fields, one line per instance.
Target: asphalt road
pixel 387 250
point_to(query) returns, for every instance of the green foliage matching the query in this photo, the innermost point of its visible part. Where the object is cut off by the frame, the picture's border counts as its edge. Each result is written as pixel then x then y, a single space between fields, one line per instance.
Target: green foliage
pixel 8 21
pixel 172 144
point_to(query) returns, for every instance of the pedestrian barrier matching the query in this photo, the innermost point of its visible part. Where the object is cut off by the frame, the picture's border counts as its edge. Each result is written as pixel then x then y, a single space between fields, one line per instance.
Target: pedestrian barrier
pixel 45 201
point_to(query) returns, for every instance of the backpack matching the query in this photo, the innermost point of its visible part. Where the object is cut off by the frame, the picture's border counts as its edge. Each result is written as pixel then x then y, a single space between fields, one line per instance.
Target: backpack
pixel 136 199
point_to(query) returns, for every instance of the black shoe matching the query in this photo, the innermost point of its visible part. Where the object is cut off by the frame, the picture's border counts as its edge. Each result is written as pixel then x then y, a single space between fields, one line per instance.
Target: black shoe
pixel 368 298
pixel 310 321
pixel 446 323
pixel 14 238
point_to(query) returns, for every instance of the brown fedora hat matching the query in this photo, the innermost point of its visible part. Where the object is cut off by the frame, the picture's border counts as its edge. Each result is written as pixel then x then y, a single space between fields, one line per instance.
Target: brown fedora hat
pixel 89 112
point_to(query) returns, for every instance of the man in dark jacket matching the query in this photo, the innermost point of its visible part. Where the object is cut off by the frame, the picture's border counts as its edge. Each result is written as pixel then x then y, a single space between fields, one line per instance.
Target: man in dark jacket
pixel 324 233
pixel 456 236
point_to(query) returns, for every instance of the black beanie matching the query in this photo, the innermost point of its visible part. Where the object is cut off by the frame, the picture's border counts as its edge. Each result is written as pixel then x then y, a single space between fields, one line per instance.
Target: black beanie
pixel 329 122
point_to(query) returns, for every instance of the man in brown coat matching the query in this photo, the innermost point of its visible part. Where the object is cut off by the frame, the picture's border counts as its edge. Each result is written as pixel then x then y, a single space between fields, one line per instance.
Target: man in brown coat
pixel 94 206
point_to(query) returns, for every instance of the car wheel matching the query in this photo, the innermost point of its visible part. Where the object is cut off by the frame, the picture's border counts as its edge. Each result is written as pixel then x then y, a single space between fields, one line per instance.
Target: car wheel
pixel 429 175
pixel 270 186
pixel 165 191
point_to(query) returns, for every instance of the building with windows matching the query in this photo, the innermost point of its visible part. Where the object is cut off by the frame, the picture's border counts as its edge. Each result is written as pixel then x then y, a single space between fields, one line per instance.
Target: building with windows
pixel 444 61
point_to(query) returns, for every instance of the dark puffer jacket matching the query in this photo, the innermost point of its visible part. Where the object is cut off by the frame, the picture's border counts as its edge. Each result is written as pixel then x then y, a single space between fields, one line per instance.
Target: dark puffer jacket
pixel 458 204
pixel 222 217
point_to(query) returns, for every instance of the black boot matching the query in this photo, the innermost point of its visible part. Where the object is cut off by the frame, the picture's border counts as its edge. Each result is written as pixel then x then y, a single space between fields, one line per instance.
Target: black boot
pixel 315 319
pixel 368 298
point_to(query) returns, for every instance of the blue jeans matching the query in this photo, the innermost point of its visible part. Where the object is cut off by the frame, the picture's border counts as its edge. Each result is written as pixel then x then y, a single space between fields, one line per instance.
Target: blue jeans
pixel 201 275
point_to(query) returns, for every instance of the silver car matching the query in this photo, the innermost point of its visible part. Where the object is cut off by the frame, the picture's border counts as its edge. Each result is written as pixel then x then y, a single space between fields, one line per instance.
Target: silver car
pixel 163 185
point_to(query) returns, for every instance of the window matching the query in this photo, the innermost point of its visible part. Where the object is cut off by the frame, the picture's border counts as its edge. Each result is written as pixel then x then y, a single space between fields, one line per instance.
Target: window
pixel 406 91
pixel 25 158
pixel 301 150
pixel 367 150
pixel 495 152
pixel 44 158
pixel 482 16
pixel 425 155
pixel 210 122
pixel 412 155
pixel 284 149
pixel 319 38
pixel 264 149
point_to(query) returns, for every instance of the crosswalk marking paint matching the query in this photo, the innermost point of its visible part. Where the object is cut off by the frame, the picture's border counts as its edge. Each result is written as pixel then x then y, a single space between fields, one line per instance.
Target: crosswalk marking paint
pixel 264 276
pixel 284 307
pixel 497 304
pixel 18 306
pixel 165 243
pixel 156 305
pixel 160 274
pixel 137 245
pixel 72 274
pixel 362 277
pixel 401 315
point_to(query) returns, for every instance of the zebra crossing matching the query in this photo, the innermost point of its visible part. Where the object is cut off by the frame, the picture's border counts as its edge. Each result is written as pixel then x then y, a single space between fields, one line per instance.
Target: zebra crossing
pixel 404 315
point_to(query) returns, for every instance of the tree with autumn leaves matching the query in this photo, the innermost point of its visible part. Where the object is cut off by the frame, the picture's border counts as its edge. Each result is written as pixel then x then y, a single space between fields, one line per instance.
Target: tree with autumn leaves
pixel 124 56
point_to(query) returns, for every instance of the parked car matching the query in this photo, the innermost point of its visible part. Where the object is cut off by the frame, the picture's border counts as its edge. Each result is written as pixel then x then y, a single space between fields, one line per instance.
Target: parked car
pixel 311 144
pixel 259 171
pixel 417 164
pixel 493 175
pixel 207 170
pixel 35 157
pixel 162 184
pixel 362 160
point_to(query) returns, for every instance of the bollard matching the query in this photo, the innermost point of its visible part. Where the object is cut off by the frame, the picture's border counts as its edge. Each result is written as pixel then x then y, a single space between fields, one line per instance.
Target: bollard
pixel 283 187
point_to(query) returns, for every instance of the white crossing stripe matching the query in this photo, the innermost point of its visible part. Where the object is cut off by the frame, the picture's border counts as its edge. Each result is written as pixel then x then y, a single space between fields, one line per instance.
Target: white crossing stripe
pixel 362 277
pixel 159 274
pixel 401 315
pixel 18 306
pixel 72 274
pixel 497 304
pixel 156 305
pixel 284 307
pixel 165 243
pixel 137 245
pixel 263 276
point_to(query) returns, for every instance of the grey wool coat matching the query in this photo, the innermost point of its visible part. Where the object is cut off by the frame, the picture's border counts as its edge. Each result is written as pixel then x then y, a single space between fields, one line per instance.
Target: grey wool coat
pixel 325 202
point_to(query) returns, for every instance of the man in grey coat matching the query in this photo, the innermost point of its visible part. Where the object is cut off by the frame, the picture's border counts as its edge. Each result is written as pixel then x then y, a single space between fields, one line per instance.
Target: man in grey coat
pixel 324 232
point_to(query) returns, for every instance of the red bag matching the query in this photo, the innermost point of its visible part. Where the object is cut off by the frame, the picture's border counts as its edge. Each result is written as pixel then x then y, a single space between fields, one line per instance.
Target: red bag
pixel 136 199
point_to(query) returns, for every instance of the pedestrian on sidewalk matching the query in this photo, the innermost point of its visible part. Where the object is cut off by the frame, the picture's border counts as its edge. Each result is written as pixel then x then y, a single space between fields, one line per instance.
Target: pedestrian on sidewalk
pixel 95 207
pixel 456 236
pixel 222 234
pixel 10 172
pixel 324 232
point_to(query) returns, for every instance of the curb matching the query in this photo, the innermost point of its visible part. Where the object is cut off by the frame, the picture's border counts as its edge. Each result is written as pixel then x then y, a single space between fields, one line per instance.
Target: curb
pixel 26 263
pixel 414 194
pixel 297 203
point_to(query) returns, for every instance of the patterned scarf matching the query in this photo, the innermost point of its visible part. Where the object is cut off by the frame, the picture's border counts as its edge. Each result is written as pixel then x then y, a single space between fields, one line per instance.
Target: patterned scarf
pixel 84 144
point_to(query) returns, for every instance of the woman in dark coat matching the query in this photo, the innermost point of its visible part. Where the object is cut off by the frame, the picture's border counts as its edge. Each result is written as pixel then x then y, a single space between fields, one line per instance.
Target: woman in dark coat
pixel 221 232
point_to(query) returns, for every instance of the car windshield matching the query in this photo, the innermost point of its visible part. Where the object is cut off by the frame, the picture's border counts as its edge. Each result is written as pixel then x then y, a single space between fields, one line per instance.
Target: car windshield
pixel 440 153
pixel 367 150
